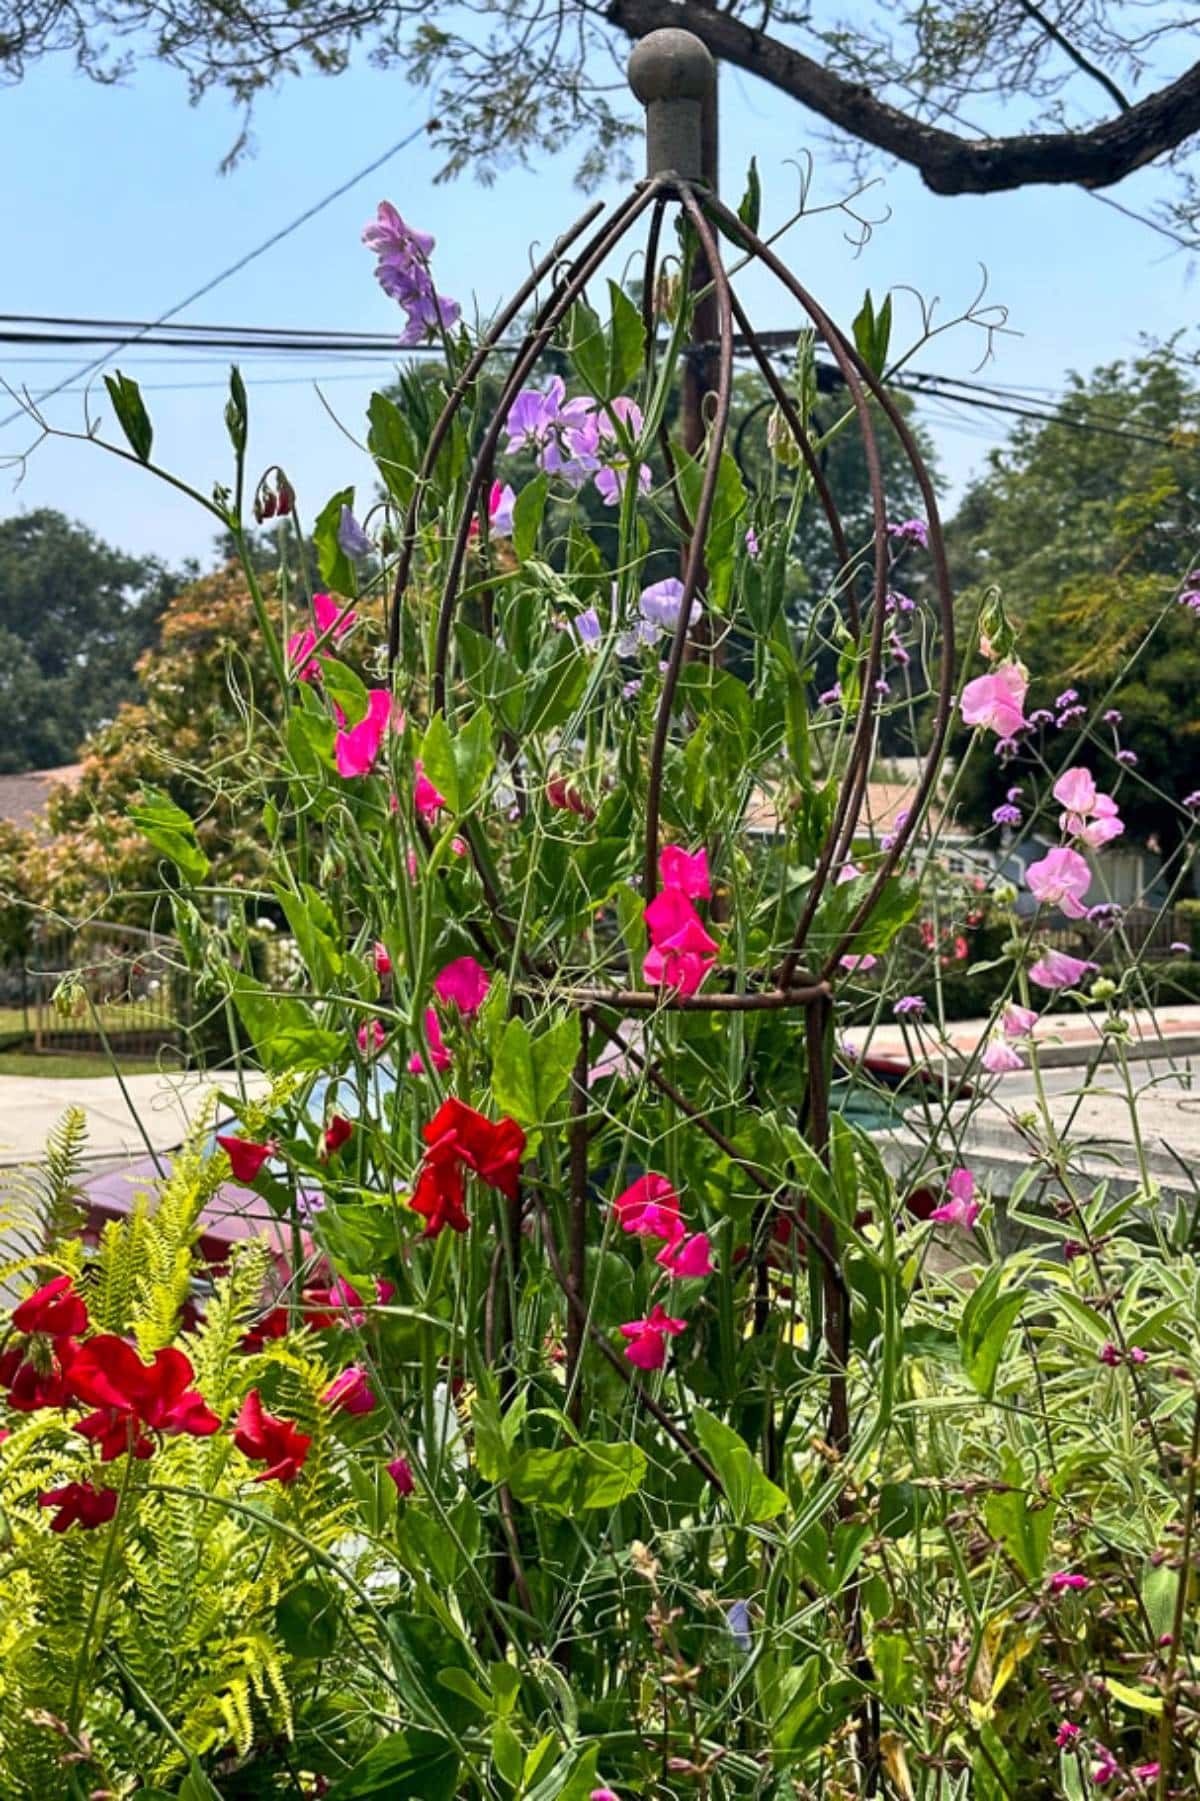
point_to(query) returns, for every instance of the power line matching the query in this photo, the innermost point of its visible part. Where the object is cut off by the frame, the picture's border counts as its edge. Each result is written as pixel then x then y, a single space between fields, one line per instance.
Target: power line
pixel 233 268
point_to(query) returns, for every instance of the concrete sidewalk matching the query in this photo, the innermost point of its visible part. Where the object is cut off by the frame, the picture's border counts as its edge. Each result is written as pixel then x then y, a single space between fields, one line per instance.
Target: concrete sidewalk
pixel 31 1106
pixel 1063 1039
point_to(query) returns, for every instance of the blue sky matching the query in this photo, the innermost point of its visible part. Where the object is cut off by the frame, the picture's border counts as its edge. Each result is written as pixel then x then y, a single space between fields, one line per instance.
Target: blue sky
pixel 115 208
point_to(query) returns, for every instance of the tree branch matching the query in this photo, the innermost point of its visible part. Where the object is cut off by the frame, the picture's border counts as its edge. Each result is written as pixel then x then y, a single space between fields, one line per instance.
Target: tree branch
pixel 948 164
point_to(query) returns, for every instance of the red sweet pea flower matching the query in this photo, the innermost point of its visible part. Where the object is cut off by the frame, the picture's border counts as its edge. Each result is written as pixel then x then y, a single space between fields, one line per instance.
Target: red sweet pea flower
pixel 266 1439
pixel 108 1373
pixel 115 1432
pixel 337 1133
pixel 350 1392
pixel 55 1309
pixel 79 1503
pixel 245 1157
pixel 42 1384
pixel 273 1325
pixel 440 1194
pixel 566 797
pixel 493 1151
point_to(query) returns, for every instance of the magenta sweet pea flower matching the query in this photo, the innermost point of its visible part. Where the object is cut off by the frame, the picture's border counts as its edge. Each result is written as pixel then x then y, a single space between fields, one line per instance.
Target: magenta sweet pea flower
pixel 350 1392
pixel 961 1209
pixel 357 747
pixel 371 1036
pixel 1067 1734
pixel 1054 969
pixel 426 798
pixel 1060 879
pixel 439 1056
pixel 686 870
pixel 649 1207
pixel 687 1258
pixel 1062 1580
pixel 501 501
pixel 647 1347
pixel 328 614
pixel 997 701
pixel 382 960
pixel 400 1470
pixel 1105 1766
pixel 681 951
pixel 463 984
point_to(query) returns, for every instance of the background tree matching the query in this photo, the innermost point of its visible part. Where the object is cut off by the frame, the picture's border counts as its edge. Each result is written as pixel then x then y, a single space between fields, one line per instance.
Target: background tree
pixel 1101 87
pixel 1088 526
pixel 75 614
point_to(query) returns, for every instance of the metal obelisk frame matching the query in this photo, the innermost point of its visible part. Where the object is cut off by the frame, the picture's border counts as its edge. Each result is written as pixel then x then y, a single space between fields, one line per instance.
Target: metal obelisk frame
pixel 672 73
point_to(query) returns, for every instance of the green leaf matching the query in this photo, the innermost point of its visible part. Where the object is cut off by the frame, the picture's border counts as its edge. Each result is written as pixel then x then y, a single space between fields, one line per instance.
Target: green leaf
pixel 578 1479
pixel 346 688
pixel 1136 1698
pixel 983 1331
pixel 626 341
pixel 405 1766
pixel 750 206
pixel 284 1032
pixel 530 1074
pixel 872 333
pixel 437 757
pixel 393 447
pixel 307 1619
pixel 131 413
pixel 587 346
pixel 313 929
pixel 1022 1529
pixel 337 569
pixel 168 828
pixel 558 693
pixel 507 1755
pixel 751 1494
pixel 237 411
pixel 528 508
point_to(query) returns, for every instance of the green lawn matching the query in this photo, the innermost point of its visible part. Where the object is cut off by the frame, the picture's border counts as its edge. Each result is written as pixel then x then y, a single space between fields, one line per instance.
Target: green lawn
pixel 52 1067
pixel 115 1016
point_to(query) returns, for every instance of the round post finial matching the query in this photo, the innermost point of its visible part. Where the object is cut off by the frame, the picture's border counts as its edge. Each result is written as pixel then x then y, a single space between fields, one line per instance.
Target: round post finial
pixel 672 72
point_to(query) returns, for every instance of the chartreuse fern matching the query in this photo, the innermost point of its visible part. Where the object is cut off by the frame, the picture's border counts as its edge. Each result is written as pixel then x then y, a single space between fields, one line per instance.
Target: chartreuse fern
pixel 177 1661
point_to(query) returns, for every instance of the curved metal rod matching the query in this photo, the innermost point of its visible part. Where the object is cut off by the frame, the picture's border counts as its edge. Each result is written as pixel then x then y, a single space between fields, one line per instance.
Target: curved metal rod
pixel 844 354
pixel 582 272
pixel 696 548
pixel 864 730
pixel 455 399
pixel 812 461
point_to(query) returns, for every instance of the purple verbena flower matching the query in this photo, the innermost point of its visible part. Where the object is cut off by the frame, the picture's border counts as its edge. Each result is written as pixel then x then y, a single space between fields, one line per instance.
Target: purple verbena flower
pixel 1069 715
pixel 1114 716
pixel 1006 815
pixel 1066 697
pixel 1042 716
pixel 1128 758
pixel 910 531
pixel 909 1006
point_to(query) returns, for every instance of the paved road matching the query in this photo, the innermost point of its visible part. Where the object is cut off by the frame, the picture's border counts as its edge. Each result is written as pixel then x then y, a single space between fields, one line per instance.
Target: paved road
pixel 30 1107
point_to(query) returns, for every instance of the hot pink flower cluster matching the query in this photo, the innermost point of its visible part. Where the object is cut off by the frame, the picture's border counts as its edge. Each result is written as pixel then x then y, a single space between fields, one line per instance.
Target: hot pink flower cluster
pixel 463 985
pixel 649 1208
pixel 681 951
pixel 329 617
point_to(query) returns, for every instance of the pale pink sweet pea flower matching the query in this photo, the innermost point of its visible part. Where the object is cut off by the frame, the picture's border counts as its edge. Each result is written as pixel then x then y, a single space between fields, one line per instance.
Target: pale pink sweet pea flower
pixel 858 964
pixel 686 870
pixel 1001 1059
pixel 1054 969
pixel 648 1337
pixel 439 1056
pixel 1060 879
pixel 687 1258
pixel 962 1209
pixel 463 984
pixel 356 749
pixel 997 701
pixel 1018 1021
pixel 1104 825
pixel 1076 791
pixel 426 798
pixel 300 645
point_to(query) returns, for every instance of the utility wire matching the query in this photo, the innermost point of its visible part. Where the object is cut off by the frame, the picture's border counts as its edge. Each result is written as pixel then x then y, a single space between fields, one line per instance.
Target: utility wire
pixel 233 269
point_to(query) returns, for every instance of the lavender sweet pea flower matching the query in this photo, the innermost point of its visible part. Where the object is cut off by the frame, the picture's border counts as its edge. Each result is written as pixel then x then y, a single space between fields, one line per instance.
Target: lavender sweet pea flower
pixel 427 314
pixel 351 537
pixel 533 414
pixel 737 1618
pixel 588 629
pixel 661 601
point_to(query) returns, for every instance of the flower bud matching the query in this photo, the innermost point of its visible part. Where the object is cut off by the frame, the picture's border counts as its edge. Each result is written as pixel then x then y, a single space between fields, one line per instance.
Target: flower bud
pixel 1103 989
